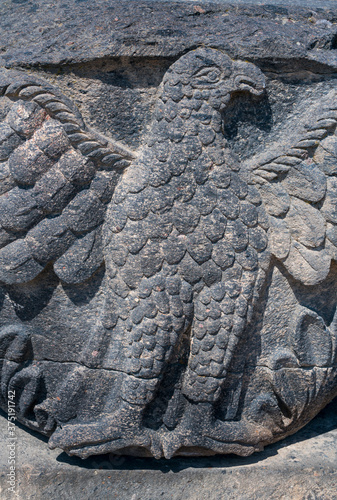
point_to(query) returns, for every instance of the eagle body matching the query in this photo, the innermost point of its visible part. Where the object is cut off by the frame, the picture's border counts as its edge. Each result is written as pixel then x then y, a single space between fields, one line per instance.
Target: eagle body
pixel 184 244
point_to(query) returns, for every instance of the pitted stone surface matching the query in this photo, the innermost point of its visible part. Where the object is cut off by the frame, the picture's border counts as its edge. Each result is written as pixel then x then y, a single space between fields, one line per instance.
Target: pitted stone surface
pixel 46 33
pixel 301 467
pixel 168 271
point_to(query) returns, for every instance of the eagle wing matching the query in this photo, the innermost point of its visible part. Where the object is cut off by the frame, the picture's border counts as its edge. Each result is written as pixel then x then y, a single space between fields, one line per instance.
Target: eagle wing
pixel 56 180
pixel 298 186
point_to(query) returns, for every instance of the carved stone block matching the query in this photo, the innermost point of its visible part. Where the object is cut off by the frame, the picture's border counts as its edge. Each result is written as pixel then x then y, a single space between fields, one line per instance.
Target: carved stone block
pixel 168 228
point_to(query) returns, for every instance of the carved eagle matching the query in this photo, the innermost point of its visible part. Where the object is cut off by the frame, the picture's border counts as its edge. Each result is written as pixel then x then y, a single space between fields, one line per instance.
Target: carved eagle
pixel 185 229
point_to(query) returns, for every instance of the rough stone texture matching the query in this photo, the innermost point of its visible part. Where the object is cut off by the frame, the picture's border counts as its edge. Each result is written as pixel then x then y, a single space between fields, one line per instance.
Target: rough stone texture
pixel 37 33
pixel 302 467
pixel 167 223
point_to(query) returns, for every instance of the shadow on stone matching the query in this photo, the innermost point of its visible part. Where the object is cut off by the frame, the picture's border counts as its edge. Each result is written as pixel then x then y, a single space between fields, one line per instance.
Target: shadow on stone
pixel 325 421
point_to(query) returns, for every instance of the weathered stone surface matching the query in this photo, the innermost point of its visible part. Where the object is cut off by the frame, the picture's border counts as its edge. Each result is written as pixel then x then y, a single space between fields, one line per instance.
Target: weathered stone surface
pixel 302 467
pixel 167 224
pixel 45 33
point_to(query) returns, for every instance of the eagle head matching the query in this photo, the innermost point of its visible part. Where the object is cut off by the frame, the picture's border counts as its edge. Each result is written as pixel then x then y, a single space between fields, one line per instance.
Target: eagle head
pixel 211 75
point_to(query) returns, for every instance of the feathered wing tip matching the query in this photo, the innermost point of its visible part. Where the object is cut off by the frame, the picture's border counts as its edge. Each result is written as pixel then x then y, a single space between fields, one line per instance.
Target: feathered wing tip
pixel 299 191
pixel 56 179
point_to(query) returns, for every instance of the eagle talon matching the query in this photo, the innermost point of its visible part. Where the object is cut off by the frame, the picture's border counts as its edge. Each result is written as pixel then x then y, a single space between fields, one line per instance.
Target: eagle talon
pixel 144 439
pixel 204 430
pixel 111 432
pixel 190 431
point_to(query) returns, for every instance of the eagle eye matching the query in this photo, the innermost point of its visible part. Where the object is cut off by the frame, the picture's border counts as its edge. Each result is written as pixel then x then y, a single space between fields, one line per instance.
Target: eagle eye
pixel 208 75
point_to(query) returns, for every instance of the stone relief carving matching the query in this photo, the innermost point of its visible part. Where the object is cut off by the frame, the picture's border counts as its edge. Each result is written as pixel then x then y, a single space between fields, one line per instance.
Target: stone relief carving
pixel 204 284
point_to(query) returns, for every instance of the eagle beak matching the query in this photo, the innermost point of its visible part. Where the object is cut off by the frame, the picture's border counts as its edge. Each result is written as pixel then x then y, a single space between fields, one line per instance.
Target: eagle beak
pixel 249 78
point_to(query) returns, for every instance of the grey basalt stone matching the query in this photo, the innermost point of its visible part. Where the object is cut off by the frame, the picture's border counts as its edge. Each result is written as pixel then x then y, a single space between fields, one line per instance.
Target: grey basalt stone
pixel 167 223
pixel 300 467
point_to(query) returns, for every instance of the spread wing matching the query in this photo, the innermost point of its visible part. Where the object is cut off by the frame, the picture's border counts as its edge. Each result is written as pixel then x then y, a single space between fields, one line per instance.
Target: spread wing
pixel 56 179
pixel 298 185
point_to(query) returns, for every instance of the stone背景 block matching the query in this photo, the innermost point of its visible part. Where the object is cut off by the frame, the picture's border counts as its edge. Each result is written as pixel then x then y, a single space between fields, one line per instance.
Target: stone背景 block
pixel 167 223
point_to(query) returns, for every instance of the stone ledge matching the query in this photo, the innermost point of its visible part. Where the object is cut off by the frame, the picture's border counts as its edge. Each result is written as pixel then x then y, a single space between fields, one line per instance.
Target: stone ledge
pixel 46 34
pixel 301 467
